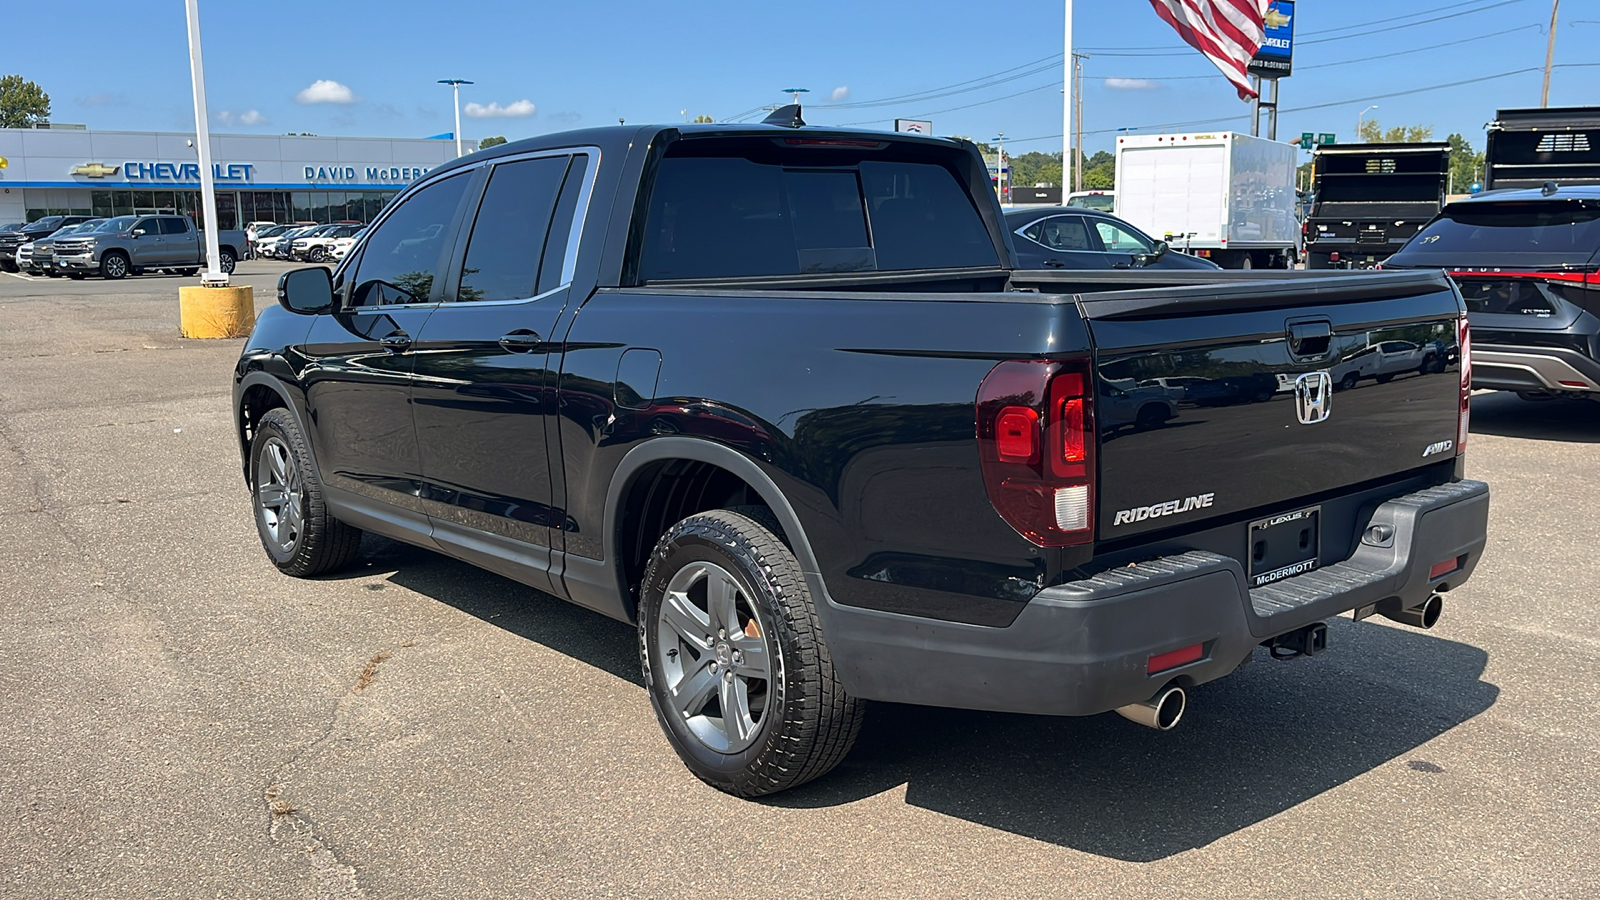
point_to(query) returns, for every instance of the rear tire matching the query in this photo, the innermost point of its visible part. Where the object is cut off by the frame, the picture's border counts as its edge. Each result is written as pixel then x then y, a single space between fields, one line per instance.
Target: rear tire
pixel 226 261
pixel 292 518
pixel 1348 381
pixel 1151 415
pixel 734 660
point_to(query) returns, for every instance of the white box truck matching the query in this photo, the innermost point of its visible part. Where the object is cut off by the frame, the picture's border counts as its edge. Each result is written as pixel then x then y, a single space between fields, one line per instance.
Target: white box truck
pixel 1225 196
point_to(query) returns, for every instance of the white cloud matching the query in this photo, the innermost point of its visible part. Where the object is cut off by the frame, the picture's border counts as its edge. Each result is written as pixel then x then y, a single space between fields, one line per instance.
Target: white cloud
pixel 515 110
pixel 839 93
pixel 248 117
pixel 1132 84
pixel 326 91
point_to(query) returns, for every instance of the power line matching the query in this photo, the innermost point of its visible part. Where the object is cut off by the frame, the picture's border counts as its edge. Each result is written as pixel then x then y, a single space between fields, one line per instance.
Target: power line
pixel 1152 52
pixel 1313 106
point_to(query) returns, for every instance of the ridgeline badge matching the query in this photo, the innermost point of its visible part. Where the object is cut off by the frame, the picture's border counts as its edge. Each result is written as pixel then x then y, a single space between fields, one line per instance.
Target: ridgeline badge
pixel 96 170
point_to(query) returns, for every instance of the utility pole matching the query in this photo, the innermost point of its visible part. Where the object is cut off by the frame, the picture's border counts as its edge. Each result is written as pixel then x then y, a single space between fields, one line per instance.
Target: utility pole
pixel 1077 120
pixel 1067 97
pixel 1549 55
pixel 456 83
pixel 1000 167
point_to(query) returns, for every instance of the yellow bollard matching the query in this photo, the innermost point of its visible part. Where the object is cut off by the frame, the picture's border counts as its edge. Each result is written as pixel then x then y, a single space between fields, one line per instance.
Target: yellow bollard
pixel 216 312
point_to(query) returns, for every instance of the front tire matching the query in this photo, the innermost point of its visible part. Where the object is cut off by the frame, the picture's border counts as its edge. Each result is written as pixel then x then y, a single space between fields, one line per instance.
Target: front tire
pixel 734 659
pixel 113 266
pixel 292 518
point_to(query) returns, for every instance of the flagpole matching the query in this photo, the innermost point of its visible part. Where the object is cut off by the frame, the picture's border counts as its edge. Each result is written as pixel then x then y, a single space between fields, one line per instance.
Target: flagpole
pixel 1066 105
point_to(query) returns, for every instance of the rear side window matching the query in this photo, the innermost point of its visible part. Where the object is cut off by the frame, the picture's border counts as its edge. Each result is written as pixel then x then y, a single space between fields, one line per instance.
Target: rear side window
pixel 1514 228
pixel 1059 233
pixel 508 235
pixel 173 225
pixel 776 212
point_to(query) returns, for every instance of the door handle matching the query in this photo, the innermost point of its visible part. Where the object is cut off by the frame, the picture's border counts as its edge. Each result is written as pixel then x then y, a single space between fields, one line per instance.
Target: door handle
pixel 1054 264
pixel 522 340
pixel 396 341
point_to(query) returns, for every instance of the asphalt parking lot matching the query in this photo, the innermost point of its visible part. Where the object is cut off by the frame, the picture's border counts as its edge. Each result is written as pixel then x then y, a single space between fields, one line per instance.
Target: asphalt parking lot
pixel 182 721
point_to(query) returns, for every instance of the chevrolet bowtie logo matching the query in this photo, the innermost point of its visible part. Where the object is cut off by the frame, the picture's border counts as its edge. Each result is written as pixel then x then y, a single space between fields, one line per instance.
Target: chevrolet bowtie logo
pixel 96 170
pixel 1275 18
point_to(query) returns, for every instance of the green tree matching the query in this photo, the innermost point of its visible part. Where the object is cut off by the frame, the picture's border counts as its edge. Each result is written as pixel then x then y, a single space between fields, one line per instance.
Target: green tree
pixel 703 119
pixel 1373 133
pixel 1466 165
pixel 22 103
pixel 488 142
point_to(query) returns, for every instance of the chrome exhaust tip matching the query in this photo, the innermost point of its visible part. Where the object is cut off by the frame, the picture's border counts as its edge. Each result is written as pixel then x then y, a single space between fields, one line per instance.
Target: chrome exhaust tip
pixel 1161 712
pixel 1424 616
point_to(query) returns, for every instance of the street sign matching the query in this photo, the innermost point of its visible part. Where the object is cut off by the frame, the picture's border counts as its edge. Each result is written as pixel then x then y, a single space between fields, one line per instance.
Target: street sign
pixel 1306 140
pixel 1325 139
pixel 1275 57
pixel 913 126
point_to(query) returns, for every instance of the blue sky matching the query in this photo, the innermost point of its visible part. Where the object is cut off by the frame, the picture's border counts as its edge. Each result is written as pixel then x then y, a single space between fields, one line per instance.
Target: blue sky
pixel 369 68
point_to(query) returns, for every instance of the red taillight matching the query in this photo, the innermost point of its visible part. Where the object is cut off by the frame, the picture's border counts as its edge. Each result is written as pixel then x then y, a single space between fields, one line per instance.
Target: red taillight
pixel 1174 658
pixel 1464 338
pixel 1584 278
pixel 1334 256
pixel 1036 446
pixel 1445 567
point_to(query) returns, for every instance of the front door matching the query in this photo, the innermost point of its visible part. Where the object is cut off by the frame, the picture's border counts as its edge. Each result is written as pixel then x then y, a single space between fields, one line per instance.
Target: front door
pixel 147 248
pixel 484 380
pixel 359 360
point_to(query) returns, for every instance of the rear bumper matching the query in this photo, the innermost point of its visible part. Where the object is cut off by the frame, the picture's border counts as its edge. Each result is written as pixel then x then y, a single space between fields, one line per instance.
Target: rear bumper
pixel 1507 368
pixel 1083 647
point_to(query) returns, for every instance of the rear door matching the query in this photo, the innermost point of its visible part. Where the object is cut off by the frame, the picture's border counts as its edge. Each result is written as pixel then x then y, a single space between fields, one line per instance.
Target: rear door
pixel 180 243
pixel 484 384
pixel 1062 241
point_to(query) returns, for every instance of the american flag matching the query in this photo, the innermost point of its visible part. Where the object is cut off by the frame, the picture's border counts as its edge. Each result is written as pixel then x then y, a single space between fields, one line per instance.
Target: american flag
pixel 1228 32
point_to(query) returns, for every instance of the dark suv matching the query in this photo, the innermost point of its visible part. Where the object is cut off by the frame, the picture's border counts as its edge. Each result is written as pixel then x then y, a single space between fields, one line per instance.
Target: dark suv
pixel 1528 265
pixel 12 239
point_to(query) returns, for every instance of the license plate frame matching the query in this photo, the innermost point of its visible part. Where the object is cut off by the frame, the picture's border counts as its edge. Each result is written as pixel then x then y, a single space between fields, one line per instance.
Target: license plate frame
pixel 1284 545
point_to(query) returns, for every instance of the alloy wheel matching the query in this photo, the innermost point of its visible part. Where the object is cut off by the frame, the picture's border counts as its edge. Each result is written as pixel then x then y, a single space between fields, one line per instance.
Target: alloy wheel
pixel 714 657
pixel 278 491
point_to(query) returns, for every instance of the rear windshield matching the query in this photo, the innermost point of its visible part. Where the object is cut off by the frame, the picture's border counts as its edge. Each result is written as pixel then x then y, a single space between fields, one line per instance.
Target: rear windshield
pixel 757 208
pixel 1511 228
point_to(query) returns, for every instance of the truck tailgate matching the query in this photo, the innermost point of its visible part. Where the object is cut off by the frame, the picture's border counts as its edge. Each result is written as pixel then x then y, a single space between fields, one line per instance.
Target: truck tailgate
pixel 1206 407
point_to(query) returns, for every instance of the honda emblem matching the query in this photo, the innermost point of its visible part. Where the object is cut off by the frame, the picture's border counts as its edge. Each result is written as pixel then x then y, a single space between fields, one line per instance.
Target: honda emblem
pixel 1312 393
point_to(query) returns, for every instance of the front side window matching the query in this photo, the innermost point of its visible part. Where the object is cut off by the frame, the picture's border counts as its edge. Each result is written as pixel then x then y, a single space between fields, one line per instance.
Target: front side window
pixel 403 255
pixel 508 236
pixel 150 226
pixel 1120 240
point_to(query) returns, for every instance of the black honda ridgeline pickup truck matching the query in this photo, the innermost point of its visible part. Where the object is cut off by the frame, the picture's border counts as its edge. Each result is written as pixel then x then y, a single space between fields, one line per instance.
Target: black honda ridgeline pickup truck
pixel 780 396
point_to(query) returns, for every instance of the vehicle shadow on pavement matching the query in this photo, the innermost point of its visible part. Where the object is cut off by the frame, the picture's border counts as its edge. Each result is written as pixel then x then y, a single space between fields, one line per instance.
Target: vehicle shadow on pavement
pixel 1507 415
pixel 581 634
pixel 1250 746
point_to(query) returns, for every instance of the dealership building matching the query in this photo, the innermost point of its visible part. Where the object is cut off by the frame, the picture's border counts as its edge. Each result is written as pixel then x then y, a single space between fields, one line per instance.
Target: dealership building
pixel 290 178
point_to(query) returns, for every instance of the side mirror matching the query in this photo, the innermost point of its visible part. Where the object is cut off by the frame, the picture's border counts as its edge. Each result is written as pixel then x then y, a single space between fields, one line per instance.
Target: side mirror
pixel 138 231
pixel 306 291
pixel 1145 259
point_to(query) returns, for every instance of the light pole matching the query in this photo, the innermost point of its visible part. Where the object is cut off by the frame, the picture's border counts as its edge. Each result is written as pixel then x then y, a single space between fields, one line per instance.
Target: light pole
pixel 214 275
pixel 455 84
pixel 1363 115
